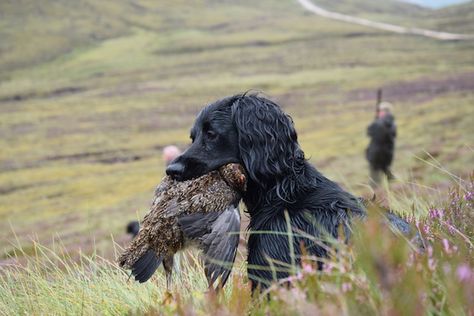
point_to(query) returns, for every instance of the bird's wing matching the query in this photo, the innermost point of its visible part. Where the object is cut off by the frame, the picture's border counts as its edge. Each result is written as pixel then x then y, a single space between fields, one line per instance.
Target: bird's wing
pixel 218 236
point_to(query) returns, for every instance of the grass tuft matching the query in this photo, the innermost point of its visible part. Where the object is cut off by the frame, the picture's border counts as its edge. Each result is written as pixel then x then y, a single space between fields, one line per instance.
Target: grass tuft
pixel 379 272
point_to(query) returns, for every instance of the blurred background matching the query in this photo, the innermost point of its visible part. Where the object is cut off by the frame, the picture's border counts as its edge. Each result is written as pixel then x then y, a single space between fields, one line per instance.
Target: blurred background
pixel 92 91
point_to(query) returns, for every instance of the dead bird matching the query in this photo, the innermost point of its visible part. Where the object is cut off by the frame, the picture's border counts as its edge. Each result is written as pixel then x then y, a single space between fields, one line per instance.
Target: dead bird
pixel 202 212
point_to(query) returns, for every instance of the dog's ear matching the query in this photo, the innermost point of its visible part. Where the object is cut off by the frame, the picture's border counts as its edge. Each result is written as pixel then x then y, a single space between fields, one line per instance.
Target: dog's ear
pixel 267 139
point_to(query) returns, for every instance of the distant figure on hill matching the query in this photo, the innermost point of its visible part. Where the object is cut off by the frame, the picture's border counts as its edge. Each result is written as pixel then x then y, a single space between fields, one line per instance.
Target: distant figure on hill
pixel 382 132
pixel 133 227
pixel 169 154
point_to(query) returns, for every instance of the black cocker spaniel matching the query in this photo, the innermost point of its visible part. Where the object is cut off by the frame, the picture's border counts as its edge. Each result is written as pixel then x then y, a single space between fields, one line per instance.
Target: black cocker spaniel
pixel 284 189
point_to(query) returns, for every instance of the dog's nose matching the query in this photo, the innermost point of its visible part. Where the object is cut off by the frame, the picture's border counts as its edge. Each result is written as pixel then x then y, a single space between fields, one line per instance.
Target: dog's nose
pixel 175 170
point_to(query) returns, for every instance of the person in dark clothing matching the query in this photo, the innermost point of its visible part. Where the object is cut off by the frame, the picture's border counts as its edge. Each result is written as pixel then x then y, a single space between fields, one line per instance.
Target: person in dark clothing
pixel 379 153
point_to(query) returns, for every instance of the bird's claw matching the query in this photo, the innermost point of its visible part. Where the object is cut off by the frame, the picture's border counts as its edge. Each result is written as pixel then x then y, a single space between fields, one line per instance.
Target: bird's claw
pixel 167 298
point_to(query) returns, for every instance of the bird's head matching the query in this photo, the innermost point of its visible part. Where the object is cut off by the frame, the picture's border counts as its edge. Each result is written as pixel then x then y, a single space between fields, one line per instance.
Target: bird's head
pixel 234 175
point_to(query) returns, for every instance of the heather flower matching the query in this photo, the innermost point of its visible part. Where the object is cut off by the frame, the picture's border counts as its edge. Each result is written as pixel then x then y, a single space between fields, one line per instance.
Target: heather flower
pixel 294 278
pixel 464 273
pixel 346 287
pixel 455 203
pixel 430 252
pixel 446 268
pixel 469 196
pixel 446 246
pixel 450 227
pixel 431 260
pixel 436 214
pixel 426 229
pixel 417 223
pixel 307 268
pixel 431 264
pixel 328 267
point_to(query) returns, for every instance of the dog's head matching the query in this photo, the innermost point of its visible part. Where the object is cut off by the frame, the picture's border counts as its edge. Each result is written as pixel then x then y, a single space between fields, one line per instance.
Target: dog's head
pixel 246 129
pixel 214 143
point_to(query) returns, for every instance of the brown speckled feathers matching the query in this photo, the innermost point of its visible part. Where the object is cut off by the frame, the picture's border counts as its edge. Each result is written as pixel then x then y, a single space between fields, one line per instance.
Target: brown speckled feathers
pixel 203 211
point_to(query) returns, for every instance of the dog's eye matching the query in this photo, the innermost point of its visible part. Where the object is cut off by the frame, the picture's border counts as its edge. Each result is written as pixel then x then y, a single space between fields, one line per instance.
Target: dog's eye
pixel 211 134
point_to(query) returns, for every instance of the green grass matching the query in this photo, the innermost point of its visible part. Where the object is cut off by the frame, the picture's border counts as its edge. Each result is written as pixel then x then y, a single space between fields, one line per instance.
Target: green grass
pixel 59 284
pixel 362 278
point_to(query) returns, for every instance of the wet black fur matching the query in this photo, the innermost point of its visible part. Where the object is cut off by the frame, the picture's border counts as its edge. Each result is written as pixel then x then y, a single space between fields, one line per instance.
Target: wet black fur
pixel 254 131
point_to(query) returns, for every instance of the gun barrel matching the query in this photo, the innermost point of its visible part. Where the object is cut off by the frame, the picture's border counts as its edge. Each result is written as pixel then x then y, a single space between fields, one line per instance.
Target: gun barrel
pixel 377 104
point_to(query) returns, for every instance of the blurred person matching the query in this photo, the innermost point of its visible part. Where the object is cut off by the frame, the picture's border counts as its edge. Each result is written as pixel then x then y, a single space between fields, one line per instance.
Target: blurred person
pixel 169 154
pixel 382 133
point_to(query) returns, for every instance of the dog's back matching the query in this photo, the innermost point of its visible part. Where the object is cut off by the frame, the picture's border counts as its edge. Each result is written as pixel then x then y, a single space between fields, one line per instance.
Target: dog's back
pixel 320 211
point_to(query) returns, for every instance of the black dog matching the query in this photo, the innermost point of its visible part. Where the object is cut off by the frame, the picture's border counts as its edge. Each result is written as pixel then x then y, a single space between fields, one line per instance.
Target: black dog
pixel 283 188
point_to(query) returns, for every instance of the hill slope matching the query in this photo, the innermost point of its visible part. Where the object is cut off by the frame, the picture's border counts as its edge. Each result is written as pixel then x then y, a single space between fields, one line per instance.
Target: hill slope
pixel 91 92
pixel 370 7
pixel 456 18
pixel 436 3
pixel 37 31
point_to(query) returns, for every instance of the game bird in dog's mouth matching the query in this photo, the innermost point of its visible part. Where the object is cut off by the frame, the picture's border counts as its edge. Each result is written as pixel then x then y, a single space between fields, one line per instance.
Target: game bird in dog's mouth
pixel 202 212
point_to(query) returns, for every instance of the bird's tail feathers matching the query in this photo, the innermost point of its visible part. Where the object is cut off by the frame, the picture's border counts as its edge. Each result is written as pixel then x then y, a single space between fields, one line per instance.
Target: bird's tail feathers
pixel 141 260
pixel 145 266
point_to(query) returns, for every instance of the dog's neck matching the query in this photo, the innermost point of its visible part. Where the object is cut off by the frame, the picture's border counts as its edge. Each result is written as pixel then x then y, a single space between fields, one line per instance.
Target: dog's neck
pixel 283 192
pixel 252 197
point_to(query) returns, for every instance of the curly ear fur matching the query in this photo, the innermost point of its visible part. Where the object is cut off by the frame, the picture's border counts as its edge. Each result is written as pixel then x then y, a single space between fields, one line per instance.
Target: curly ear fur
pixel 267 141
